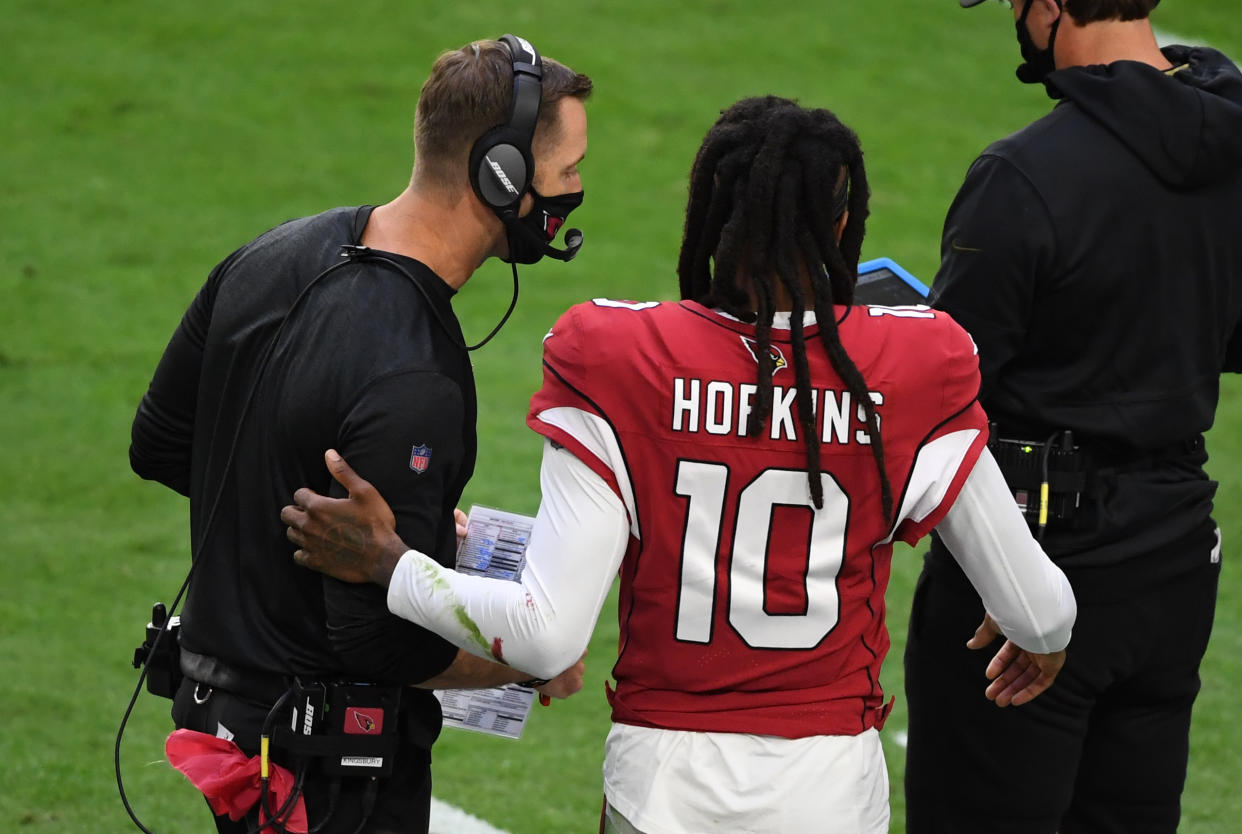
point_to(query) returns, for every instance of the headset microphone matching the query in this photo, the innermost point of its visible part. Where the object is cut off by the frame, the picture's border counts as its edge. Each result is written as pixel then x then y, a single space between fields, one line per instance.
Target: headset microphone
pixel 573 242
pixel 533 244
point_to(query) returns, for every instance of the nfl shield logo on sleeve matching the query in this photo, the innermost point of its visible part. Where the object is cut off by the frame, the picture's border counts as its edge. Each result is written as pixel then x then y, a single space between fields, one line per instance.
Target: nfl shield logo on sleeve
pixel 420 458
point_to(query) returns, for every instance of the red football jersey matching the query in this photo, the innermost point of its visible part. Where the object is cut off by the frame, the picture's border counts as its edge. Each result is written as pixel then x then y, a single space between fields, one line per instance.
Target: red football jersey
pixel 742 608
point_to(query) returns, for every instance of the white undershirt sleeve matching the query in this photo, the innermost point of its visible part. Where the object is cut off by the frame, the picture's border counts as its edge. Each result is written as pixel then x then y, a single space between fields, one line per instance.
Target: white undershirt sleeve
pixel 543 623
pixel 1027 595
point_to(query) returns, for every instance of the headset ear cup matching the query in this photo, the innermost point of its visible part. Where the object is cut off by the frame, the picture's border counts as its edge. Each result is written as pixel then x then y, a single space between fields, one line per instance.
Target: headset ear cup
pixel 502 163
pixel 499 170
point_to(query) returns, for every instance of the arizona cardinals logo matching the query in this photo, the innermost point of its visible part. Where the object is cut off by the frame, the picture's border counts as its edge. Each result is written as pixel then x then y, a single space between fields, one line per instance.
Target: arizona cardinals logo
pixel 360 721
pixel 778 358
pixel 551 225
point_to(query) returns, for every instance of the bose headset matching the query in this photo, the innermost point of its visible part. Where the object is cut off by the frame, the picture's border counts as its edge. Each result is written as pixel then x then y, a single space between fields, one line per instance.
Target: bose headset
pixel 501 162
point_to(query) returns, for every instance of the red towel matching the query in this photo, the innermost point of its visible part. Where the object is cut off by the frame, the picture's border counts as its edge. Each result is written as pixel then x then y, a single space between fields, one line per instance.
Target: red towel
pixel 230 779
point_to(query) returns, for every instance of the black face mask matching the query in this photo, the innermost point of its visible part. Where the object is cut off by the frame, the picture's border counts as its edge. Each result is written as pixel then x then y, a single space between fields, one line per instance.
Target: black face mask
pixel 530 236
pixel 1036 63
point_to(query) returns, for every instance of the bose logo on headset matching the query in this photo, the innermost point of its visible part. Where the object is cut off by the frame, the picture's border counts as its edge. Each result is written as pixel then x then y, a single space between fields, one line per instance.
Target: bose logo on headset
pixel 500 175
pixel 501 162
pixel 527 48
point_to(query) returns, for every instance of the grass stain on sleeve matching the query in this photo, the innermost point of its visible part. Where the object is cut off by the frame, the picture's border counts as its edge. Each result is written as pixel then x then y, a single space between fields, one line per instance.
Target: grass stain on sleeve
pixel 441 585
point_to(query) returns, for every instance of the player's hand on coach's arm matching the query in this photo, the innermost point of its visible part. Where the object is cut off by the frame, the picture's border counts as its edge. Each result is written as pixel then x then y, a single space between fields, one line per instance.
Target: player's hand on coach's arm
pixel 1017 676
pixel 354 539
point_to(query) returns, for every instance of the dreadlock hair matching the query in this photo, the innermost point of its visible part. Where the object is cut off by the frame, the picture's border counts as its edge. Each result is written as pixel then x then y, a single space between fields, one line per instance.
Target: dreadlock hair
pixel 766 190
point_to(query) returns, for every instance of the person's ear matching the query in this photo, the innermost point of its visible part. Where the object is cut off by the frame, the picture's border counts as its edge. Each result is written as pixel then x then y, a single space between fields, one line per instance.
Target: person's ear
pixel 1052 9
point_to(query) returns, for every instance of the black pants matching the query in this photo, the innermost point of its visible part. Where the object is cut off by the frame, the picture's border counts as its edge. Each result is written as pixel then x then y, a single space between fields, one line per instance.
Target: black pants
pixel 1103 750
pixel 402 801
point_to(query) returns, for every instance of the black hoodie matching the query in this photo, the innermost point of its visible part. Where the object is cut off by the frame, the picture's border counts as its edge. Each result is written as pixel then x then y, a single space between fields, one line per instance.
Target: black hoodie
pixel 1096 258
pixel 1187 133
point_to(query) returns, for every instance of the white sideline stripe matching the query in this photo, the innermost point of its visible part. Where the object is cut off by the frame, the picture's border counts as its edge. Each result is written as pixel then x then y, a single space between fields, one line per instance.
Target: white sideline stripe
pixel 1165 38
pixel 449 819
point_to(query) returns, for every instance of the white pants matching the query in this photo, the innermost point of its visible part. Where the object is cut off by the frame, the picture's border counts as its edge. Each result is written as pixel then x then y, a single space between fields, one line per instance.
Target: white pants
pixel 674 782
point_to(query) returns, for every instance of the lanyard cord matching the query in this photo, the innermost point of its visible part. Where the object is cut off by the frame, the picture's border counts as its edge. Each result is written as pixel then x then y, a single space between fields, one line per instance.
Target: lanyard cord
pixel 360 252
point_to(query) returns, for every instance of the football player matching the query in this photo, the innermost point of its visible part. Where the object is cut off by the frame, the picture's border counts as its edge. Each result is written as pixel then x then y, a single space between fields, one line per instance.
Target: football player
pixel 746 458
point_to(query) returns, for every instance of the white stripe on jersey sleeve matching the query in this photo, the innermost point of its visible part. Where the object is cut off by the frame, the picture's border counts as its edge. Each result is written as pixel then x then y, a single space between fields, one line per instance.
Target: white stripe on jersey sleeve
pixel 594 432
pixel 934 469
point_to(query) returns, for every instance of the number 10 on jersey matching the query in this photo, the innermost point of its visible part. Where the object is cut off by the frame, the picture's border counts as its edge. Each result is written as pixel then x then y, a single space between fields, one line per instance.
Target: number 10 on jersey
pixel 706 486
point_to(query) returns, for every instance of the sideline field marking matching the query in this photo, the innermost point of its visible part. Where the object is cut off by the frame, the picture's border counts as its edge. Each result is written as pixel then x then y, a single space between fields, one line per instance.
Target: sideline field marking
pixel 449 819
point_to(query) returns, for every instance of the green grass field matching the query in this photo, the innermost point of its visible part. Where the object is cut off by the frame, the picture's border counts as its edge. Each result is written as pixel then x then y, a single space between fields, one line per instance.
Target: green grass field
pixel 143 141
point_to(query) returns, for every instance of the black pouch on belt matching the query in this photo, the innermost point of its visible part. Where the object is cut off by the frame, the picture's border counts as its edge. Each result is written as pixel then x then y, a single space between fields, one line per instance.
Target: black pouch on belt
pixel 351 728
pixel 1032 466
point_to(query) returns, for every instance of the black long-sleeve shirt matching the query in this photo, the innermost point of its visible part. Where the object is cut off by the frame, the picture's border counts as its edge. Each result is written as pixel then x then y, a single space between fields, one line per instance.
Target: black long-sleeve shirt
pixel 1093 256
pixel 370 362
